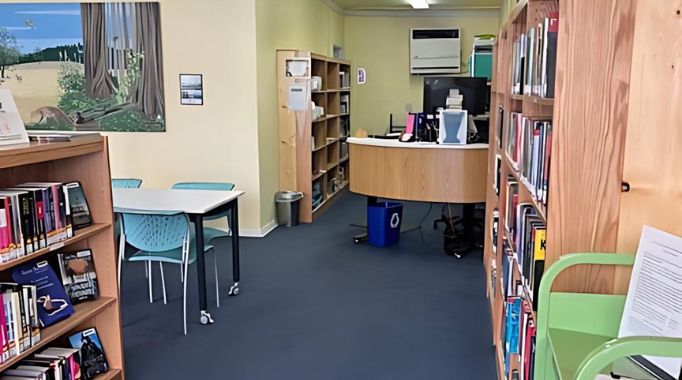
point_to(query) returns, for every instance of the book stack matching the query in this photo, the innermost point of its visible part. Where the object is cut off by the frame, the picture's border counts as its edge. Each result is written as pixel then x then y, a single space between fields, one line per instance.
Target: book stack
pixel 534 59
pixel 19 324
pixel 518 339
pixel 82 361
pixel 344 77
pixel 345 103
pixel 535 150
pixel 36 215
pixel 529 148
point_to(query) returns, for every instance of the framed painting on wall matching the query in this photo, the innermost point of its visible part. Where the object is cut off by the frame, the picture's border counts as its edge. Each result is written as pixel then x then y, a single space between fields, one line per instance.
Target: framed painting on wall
pixel 84 67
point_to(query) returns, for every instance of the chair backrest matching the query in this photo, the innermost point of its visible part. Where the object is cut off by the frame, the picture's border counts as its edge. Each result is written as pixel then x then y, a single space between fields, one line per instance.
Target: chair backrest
pixel 218 186
pixel 155 233
pixel 126 183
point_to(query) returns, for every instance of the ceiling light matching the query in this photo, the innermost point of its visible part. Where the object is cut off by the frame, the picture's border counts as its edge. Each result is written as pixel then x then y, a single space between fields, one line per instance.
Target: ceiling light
pixel 419 4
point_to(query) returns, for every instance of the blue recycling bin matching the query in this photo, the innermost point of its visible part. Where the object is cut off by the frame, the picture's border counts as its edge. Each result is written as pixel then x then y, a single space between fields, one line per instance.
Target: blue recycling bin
pixel 383 223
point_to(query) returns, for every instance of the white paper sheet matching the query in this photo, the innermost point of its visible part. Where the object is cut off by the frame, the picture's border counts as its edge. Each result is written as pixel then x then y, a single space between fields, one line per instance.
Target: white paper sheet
pixel 12 130
pixel 298 97
pixel 654 302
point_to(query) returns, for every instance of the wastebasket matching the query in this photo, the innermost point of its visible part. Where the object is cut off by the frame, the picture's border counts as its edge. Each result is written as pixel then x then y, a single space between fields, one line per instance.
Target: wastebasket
pixel 287 207
pixel 383 223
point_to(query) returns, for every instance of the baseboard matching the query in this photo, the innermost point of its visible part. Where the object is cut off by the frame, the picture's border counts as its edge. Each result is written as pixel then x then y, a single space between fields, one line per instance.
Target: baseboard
pixel 258 233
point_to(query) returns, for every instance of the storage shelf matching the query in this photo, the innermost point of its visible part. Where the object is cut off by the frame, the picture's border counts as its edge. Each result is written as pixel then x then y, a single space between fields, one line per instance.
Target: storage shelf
pixel 325 118
pixel 341 161
pixel 324 91
pixel 79 235
pixel 33 153
pixel 527 195
pixel 332 165
pixel 319 174
pixel 345 89
pixel 83 312
pixel 540 101
pixel 110 374
pixel 517 97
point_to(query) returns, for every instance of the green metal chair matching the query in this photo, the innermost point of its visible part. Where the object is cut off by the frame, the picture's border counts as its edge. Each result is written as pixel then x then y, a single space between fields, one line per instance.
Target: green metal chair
pixel 577 333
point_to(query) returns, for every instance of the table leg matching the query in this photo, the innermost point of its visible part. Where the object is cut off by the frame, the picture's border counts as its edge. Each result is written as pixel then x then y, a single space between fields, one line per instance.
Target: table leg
pixel 234 228
pixel 205 316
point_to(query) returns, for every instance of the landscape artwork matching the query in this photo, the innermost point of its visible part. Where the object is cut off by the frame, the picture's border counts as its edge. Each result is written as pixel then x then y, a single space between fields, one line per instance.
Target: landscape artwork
pixel 84 67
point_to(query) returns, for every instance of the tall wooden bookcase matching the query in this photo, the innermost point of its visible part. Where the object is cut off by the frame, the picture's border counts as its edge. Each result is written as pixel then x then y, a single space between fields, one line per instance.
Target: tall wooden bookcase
pixel 616 117
pixel 313 153
pixel 86 159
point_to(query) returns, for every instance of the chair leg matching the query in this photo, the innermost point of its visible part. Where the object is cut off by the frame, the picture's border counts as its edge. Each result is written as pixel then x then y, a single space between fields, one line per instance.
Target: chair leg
pixel 163 283
pixel 121 250
pixel 182 278
pixel 146 269
pixel 149 278
pixel 184 299
pixel 215 269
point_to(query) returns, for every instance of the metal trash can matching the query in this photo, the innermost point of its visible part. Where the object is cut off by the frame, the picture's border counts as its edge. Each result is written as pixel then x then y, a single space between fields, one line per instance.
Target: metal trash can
pixel 287 207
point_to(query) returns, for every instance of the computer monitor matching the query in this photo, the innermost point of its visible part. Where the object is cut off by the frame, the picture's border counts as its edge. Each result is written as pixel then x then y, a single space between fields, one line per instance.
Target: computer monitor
pixel 475 90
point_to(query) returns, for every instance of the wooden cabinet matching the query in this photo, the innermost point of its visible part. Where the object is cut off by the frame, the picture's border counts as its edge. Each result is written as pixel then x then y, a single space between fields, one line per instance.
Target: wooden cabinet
pixel 616 124
pixel 313 155
pixel 86 159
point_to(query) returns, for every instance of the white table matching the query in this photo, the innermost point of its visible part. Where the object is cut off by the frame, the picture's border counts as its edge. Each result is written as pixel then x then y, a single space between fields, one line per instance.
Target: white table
pixel 197 204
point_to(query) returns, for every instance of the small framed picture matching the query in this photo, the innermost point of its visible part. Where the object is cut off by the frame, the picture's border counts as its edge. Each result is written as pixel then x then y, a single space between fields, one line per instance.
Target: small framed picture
pixel 192 89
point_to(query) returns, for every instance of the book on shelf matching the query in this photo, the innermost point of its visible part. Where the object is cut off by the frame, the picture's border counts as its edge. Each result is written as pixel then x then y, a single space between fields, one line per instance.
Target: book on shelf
pixel 93 359
pixel 19 319
pixel 78 205
pixel 534 59
pixel 53 363
pixel 499 124
pixel 529 150
pixel 33 216
pixel 77 270
pixel 54 304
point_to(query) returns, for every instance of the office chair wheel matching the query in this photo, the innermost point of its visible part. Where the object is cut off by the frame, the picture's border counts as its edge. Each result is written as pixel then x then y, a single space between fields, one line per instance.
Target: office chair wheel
pixel 234 289
pixel 205 318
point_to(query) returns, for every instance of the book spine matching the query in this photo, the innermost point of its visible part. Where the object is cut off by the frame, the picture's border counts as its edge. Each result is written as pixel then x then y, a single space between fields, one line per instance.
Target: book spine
pixel 552 36
pixel 3 333
pixel 16 318
pixel 5 249
pixel 9 325
pixel 28 227
pixel 40 218
pixel 68 218
pixel 35 322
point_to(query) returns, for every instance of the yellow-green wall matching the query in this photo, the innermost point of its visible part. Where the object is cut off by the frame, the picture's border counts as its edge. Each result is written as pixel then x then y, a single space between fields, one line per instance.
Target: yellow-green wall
pixel 214 142
pixel 308 25
pixel 381 46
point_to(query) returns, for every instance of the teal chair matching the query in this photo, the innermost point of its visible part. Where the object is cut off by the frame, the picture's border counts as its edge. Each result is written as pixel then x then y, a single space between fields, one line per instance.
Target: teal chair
pixel 126 183
pixel 163 239
pixel 577 332
pixel 210 233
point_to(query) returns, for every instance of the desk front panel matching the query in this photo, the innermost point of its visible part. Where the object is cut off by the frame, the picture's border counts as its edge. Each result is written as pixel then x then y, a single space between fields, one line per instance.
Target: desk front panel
pixel 426 175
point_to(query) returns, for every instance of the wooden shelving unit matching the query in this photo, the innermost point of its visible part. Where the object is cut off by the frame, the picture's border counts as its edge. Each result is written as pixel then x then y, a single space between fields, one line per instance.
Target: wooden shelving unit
pixel 311 150
pixel 628 81
pixel 86 159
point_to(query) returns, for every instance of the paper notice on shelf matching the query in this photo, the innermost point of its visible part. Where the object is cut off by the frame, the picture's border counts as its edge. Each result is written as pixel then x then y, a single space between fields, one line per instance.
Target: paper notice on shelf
pixel 653 306
pixel 298 97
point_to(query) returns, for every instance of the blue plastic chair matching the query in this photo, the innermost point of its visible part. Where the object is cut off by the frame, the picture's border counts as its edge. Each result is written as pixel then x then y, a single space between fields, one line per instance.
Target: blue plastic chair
pixel 163 239
pixel 210 233
pixel 126 183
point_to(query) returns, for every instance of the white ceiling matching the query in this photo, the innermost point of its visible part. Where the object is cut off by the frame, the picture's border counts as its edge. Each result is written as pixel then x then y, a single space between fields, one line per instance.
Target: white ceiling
pixel 367 5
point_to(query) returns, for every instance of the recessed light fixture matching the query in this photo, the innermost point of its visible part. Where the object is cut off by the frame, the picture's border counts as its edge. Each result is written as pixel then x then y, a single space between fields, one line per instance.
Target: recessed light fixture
pixel 419 4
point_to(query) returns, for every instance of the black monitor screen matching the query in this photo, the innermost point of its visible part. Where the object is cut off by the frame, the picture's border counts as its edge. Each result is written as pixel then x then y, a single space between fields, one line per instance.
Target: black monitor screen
pixel 475 90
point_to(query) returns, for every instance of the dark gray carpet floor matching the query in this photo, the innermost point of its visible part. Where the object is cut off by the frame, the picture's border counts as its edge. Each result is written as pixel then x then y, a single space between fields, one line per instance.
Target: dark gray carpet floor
pixel 313 305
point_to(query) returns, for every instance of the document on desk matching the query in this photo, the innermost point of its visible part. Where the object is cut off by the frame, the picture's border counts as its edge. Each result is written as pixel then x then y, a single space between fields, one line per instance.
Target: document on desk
pixel 653 306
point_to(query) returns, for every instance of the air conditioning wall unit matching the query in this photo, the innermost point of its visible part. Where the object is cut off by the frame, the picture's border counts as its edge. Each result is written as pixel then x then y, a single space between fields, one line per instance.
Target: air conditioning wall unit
pixel 435 51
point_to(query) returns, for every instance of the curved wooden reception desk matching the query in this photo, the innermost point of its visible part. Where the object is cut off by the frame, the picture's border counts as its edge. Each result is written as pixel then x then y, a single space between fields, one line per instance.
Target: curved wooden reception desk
pixel 425 172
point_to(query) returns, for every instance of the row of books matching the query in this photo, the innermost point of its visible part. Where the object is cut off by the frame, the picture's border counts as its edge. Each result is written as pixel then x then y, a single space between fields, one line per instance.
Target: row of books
pixel 518 334
pixel 529 148
pixel 84 360
pixel 39 298
pixel 534 59
pixel 527 233
pixel 36 215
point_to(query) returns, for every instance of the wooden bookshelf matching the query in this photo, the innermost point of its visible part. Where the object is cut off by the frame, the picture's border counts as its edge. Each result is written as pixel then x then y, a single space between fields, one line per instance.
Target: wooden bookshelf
pixel 614 122
pixel 85 159
pixel 310 150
